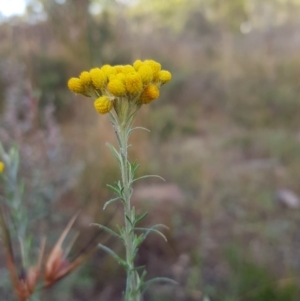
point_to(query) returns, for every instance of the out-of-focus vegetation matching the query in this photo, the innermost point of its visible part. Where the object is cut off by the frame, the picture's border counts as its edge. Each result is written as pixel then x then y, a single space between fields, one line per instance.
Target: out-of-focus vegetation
pixel 225 134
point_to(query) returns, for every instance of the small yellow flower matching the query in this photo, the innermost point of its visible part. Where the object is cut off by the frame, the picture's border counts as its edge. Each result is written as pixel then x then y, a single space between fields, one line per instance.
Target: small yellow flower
pixel 99 78
pixel 108 70
pixel 119 76
pixel 116 87
pixel 128 69
pixel 137 64
pixel 164 76
pixel 111 77
pixel 146 73
pixel 155 66
pixel 150 93
pixel 85 78
pixel 119 68
pixel 133 83
pixel 103 105
pixel 2 166
pixel 76 86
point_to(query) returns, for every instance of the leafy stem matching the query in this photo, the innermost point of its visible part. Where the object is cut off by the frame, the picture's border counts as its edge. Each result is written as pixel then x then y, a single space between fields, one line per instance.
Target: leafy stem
pixel 132 292
pixel 131 235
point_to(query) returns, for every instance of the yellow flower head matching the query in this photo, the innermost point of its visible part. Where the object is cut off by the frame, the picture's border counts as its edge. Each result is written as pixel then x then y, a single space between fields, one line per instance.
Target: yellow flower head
pixel 116 87
pixel 108 70
pixel 85 78
pixel 2 166
pixel 98 78
pixel 119 68
pixel 128 69
pixel 119 76
pixel 164 76
pixel 76 86
pixel 155 66
pixel 134 84
pixel 146 73
pixel 103 104
pixel 150 93
pixel 137 64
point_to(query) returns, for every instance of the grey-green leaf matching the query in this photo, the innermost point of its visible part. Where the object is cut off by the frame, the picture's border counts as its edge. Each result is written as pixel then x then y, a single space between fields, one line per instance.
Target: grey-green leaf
pixel 108 230
pixel 111 201
pixel 114 255
pixel 148 176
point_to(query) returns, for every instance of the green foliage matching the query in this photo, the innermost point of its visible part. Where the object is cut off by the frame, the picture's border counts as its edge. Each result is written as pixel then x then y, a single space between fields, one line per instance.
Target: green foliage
pixel 252 282
pixel 14 224
pixel 263 99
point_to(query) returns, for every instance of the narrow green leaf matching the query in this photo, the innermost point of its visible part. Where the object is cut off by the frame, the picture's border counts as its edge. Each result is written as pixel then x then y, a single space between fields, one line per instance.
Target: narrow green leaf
pixel 111 201
pixel 155 226
pixel 114 255
pixel 122 232
pixel 113 119
pixel 146 284
pixel 140 218
pixel 148 176
pixel 152 229
pixel 138 268
pixel 114 151
pixel 157 232
pixel 138 128
pixel 114 189
pixel 129 165
pixel 143 277
pixel 138 241
pixel 108 230
pixel 128 218
pixel 120 187
pixel 134 166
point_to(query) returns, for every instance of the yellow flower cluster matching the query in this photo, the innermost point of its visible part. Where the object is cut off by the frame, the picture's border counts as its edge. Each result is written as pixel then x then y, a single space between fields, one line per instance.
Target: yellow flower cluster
pixel 2 166
pixel 138 83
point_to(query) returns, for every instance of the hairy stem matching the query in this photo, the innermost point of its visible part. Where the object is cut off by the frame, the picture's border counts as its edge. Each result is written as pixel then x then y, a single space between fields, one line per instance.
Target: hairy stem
pixel 133 281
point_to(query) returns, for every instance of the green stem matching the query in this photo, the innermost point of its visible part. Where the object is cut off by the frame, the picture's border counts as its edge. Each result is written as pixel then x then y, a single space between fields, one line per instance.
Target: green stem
pixel 133 280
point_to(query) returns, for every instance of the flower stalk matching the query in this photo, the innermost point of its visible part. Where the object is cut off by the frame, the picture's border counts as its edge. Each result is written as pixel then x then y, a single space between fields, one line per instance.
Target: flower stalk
pixel 133 280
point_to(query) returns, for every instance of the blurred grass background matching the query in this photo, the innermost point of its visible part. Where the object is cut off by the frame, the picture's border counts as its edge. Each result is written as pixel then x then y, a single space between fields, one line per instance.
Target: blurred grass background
pixel 225 134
